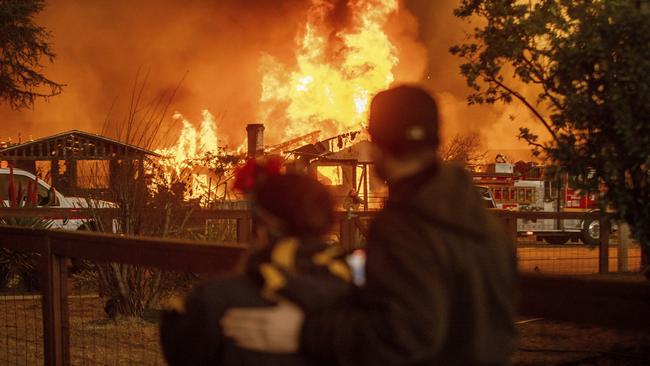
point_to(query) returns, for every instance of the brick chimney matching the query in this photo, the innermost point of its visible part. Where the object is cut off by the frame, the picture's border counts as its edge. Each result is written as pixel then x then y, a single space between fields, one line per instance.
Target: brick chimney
pixel 255 135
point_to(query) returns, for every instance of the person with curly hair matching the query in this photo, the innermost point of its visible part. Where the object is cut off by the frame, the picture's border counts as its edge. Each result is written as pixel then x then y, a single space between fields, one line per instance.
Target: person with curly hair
pixel 289 262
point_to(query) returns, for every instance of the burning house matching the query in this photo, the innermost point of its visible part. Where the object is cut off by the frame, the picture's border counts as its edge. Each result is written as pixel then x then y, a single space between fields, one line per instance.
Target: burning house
pixel 344 164
pixel 341 55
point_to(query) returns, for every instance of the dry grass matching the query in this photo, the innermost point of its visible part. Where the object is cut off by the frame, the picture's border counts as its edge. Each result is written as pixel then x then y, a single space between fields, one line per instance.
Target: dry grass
pixel 21 330
pixel 94 338
pixel 546 342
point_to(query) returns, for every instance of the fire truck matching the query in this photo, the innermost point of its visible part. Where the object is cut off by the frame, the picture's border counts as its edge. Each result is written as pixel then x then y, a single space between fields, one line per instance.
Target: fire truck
pixel 527 187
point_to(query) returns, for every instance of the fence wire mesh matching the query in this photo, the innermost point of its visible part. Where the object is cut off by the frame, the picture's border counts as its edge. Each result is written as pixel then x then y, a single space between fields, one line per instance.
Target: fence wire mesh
pixel 96 339
pixel 575 258
pixel 114 311
pixel 21 324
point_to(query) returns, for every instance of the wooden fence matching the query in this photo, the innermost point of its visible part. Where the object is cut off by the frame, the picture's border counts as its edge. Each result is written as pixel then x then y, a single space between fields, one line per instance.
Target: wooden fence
pixel 617 301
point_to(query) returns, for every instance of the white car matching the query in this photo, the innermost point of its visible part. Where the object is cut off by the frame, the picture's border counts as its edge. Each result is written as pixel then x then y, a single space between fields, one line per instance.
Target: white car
pixel 48 197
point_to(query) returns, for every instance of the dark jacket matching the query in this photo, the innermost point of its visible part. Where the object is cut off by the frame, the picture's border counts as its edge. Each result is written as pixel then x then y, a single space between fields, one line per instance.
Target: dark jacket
pixel 308 272
pixel 441 283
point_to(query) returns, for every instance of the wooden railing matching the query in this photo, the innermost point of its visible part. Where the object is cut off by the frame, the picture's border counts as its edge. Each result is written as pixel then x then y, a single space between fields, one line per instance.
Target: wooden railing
pixel 349 222
pixel 617 301
pixel 352 221
pixel 243 217
pixel 55 246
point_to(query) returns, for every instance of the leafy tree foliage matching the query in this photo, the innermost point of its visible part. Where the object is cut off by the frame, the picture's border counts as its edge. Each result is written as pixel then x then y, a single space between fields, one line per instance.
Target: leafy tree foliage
pixel 23 45
pixel 589 63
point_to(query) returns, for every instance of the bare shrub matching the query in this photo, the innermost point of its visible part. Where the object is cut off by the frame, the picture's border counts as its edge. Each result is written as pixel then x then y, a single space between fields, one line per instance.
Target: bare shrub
pixel 464 149
pixel 132 290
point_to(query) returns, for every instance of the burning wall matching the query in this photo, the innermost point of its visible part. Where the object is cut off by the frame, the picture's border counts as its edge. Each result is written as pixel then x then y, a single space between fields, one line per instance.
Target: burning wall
pixel 196 161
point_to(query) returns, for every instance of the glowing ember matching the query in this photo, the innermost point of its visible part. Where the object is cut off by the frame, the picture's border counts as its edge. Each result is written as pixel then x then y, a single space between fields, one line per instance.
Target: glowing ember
pixel 337 70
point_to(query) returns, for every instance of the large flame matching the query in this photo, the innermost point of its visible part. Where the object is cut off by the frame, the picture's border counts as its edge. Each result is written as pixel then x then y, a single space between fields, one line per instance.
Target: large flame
pixel 193 160
pixel 339 66
pixel 192 144
pixel 337 71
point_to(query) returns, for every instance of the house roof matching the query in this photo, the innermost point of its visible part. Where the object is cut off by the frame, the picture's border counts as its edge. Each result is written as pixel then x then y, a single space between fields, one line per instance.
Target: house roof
pixel 73 144
pixel 315 150
pixel 359 152
pixel 327 147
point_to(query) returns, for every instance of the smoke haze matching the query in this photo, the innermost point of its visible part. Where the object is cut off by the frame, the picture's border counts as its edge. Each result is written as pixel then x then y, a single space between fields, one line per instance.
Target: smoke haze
pixel 215 48
pixel 498 124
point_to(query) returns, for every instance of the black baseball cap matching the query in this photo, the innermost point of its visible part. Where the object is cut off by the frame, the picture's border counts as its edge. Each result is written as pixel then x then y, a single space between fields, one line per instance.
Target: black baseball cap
pixel 404 119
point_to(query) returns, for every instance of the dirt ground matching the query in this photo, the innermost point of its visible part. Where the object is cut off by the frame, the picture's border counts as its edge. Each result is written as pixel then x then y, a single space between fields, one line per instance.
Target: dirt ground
pixel 94 338
pixel 97 340
pixel 546 342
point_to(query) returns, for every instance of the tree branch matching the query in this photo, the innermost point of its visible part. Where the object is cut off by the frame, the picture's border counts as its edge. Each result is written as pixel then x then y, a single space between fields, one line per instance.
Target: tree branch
pixel 539 72
pixel 526 103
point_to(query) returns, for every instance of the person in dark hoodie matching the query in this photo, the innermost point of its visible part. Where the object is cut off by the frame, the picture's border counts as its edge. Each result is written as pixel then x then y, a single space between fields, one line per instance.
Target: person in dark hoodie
pixel 290 263
pixel 441 279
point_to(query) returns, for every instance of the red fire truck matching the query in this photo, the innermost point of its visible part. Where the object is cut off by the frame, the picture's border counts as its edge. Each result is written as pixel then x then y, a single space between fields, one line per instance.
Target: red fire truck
pixel 526 187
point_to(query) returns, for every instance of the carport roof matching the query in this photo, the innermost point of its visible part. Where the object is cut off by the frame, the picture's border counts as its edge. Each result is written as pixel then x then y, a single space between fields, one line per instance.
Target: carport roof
pixel 73 144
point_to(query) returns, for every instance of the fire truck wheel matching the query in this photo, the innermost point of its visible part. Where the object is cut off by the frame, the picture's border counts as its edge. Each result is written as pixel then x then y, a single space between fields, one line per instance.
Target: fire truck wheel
pixel 557 240
pixel 590 233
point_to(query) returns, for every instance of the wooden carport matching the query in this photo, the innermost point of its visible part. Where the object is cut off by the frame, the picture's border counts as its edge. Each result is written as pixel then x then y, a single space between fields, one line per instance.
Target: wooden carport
pixel 68 152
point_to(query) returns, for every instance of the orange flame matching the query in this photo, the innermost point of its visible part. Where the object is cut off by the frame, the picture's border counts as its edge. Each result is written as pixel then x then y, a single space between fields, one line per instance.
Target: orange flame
pixel 336 72
pixel 189 159
pixel 192 144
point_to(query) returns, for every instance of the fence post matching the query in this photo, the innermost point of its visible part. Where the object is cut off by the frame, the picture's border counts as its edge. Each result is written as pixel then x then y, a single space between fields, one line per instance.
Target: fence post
pixel 346 233
pixel 623 245
pixel 603 250
pixel 244 228
pixel 512 225
pixel 56 326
